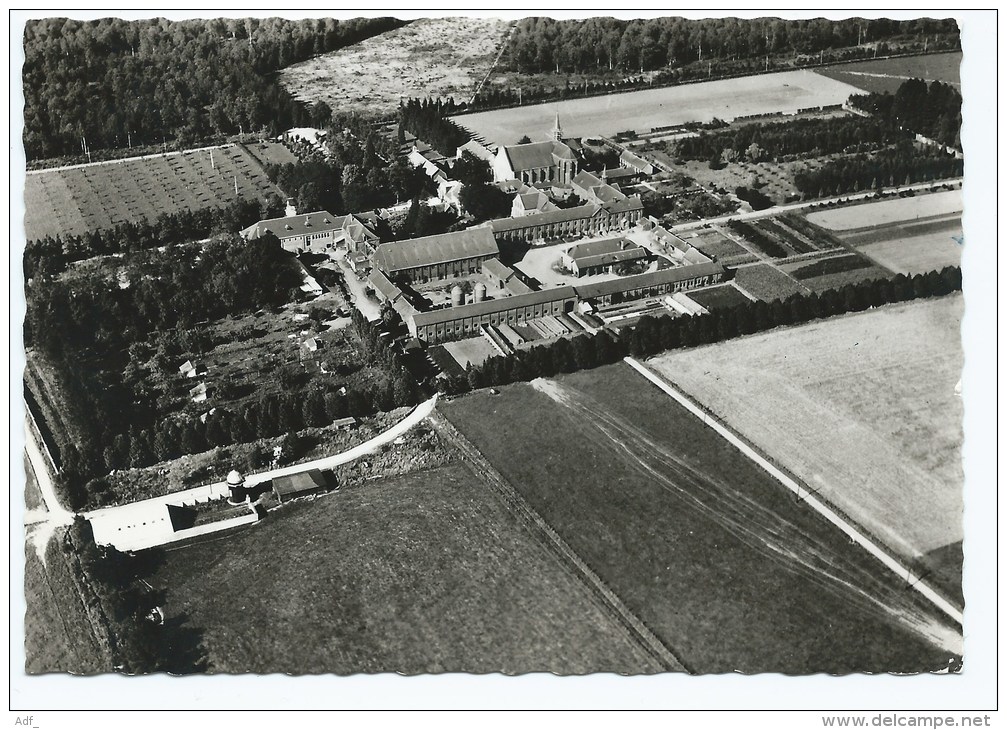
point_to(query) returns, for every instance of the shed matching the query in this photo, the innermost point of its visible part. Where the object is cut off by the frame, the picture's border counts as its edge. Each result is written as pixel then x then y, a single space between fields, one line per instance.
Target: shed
pixel 297 485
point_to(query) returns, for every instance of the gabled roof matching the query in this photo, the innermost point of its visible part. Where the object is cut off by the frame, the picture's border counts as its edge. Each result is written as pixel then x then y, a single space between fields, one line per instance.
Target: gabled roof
pixel 619 172
pixel 598 248
pixel 400 255
pixel 384 285
pixel 585 179
pixel 500 270
pixel 551 216
pixel 537 154
pixel 319 221
pixel 612 257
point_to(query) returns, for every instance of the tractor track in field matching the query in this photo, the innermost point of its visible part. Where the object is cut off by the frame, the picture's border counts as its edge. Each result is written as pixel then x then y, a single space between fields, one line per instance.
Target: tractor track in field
pixel 638 631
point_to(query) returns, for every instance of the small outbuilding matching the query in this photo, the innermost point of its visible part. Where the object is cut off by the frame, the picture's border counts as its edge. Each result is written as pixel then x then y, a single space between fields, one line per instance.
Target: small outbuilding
pixel 297 485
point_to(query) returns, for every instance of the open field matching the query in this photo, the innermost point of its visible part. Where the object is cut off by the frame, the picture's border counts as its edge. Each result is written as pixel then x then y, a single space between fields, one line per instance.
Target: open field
pixel 642 110
pixel 909 254
pixel 719 297
pixel 58 636
pixel 427 572
pixel 86 198
pixel 703 546
pixel 430 57
pixel 885 212
pixel 767 282
pixel 862 408
pixel 889 73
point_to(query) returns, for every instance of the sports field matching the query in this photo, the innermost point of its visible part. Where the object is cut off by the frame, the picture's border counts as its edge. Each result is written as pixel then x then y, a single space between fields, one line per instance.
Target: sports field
pixel 75 200
pixel 890 73
pixel 862 408
pixel 702 545
pixel 643 110
pixel 424 573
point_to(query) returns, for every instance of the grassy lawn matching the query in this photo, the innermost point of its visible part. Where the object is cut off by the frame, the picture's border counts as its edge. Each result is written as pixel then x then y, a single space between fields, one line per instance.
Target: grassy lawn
pixel 58 636
pixel 862 408
pixel 702 545
pixel 426 572
pixel 767 282
pixel 719 297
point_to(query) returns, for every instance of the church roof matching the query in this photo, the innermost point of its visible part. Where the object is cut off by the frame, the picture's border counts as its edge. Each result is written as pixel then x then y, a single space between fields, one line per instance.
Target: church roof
pixel 536 154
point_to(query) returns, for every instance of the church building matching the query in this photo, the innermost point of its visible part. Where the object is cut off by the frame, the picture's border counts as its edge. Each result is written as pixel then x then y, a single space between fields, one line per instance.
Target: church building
pixel 550 163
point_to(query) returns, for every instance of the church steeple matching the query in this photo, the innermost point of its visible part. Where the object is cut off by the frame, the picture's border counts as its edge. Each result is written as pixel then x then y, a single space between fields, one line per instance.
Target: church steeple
pixel 557 131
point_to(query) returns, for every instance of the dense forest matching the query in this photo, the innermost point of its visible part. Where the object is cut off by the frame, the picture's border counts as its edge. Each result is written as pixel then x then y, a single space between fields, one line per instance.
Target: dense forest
pixel 544 45
pixel 933 110
pixel 112 82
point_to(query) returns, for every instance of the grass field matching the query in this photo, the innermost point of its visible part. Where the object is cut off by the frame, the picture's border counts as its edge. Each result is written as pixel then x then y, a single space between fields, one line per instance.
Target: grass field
pixel 888 74
pixel 58 636
pixel 767 282
pixel 719 297
pixel 643 110
pixel 430 57
pixel 422 573
pixel 862 408
pixel 86 198
pixel 909 254
pixel 886 212
pixel 713 555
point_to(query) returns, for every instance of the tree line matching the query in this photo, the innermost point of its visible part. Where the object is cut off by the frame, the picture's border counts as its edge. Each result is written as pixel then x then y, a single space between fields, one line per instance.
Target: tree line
pixel 903 164
pixel 816 136
pixel 933 110
pixel 545 45
pixel 115 83
pixel 49 256
pixel 652 335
